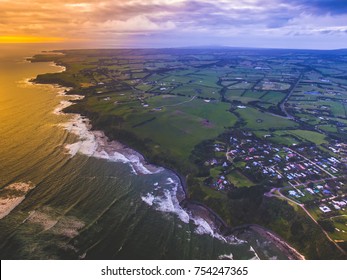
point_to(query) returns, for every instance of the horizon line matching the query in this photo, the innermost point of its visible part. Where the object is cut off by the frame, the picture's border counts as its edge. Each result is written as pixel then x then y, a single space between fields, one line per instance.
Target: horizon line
pixel 104 47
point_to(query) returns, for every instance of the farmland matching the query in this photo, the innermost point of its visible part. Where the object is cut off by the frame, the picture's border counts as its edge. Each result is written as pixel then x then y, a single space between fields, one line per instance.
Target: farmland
pixel 235 124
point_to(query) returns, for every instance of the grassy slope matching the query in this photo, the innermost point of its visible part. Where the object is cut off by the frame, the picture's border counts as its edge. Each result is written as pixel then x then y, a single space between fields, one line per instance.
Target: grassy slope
pixel 255 120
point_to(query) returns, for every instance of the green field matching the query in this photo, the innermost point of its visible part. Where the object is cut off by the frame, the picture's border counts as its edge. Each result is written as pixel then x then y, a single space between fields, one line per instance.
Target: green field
pixel 273 97
pixel 199 90
pixel 256 120
pixel 238 179
pixel 340 223
pixel 328 128
pixel 308 135
pixel 240 85
pixel 184 126
pixel 278 137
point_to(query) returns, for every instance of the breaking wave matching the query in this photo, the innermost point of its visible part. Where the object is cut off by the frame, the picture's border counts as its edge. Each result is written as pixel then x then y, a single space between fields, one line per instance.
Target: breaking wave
pixel 96 144
pixel 165 199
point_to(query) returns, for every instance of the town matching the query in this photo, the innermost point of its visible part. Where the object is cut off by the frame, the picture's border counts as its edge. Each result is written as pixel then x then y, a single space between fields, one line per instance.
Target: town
pixel 305 174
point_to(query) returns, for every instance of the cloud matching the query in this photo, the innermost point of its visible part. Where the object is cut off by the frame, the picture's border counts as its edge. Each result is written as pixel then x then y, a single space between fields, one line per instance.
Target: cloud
pixel 326 24
pixel 137 24
pixel 322 6
pixel 215 20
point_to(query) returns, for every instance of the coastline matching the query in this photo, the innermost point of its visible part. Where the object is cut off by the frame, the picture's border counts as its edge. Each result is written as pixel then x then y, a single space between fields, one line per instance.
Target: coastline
pixel 12 195
pixel 283 246
pixel 95 143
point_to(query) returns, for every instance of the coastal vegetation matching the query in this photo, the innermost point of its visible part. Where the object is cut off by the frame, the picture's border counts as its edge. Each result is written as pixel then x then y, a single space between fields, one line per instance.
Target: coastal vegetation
pixel 234 124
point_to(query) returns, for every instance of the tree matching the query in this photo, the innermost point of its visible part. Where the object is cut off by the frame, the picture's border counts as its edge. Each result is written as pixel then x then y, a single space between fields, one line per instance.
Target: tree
pixel 297 228
pixel 327 225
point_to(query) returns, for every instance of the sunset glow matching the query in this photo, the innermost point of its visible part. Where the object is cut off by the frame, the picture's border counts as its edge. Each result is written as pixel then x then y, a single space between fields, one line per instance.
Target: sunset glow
pixel 170 23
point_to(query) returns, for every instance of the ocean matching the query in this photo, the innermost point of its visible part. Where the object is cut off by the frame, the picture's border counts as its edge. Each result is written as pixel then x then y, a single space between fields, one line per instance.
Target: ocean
pixel 69 194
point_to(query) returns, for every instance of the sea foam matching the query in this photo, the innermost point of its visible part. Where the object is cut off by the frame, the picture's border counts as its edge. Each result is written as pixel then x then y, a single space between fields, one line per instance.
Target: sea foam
pixel 96 144
pixel 165 200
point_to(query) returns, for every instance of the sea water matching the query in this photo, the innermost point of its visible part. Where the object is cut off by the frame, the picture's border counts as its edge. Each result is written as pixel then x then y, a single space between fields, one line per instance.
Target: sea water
pixel 85 202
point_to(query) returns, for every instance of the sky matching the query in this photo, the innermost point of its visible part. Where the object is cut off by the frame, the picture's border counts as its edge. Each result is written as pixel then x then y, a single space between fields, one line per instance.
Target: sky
pixel 300 24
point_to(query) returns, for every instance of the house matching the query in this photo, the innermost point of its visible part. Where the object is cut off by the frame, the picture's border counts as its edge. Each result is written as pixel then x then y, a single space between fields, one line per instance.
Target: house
pixel 292 193
pixel 326 192
pixel 325 209
pixel 310 190
pixel 339 203
pixel 301 167
pixel 336 207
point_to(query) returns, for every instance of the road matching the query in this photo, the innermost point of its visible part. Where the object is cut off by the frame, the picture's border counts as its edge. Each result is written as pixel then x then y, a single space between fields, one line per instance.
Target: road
pixel 280 195
pixel 316 181
pixel 177 104
pixel 282 105
pixel 315 164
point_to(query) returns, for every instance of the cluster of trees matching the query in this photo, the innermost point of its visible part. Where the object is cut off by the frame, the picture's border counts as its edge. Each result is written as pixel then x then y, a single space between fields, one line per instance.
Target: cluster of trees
pixel 250 206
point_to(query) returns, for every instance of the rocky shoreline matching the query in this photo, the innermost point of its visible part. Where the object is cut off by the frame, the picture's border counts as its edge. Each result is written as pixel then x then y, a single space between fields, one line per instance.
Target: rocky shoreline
pixel 231 233
pixel 96 143
pixel 12 195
